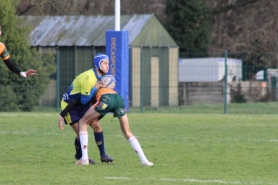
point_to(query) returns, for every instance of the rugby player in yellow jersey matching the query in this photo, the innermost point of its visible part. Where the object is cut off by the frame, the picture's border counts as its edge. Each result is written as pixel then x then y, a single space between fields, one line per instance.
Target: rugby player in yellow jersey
pixel 108 100
pixel 77 100
pixel 4 54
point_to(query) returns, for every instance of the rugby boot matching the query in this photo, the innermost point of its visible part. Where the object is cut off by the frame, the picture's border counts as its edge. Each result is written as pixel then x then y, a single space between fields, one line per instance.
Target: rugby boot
pixel 91 161
pixel 106 159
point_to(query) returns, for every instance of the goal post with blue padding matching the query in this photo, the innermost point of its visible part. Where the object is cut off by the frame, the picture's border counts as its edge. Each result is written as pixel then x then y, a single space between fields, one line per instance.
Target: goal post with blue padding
pixel 117 49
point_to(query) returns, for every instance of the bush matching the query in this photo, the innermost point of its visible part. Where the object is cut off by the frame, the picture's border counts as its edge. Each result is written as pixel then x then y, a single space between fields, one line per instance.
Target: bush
pixel 16 91
pixel 237 95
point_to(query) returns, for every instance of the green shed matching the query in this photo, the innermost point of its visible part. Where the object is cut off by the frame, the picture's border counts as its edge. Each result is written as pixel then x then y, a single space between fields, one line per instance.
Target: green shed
pixel 76 39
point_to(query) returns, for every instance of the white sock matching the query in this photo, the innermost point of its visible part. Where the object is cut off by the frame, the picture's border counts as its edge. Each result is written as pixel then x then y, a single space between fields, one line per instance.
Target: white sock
pixel 84 144
pixel 137 147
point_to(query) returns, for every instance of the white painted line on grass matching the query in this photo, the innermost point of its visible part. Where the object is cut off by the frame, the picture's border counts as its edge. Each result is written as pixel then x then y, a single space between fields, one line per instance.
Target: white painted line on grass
pixel 60 133
pixel 191 180
pixel 216 139
pixel 30 133
pixel 26 115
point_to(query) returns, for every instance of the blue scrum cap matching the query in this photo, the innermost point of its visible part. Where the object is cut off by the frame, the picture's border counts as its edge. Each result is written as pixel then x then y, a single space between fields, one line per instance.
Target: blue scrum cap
pixel 99 58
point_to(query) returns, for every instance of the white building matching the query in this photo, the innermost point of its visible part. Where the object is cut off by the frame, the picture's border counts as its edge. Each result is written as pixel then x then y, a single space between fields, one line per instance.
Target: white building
pixel 209 69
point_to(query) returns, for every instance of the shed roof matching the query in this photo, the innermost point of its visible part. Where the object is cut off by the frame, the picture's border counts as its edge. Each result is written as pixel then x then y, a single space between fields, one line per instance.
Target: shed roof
pixel 144 30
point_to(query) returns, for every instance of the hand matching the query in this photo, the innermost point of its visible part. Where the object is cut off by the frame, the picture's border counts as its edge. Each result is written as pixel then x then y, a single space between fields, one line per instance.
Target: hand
pixel 30 72
pixel 60 123
pixel 99 84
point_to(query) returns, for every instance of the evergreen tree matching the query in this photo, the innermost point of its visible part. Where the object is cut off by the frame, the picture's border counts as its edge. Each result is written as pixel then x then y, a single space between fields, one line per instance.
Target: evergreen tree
pixel 189 24
pixel 17 92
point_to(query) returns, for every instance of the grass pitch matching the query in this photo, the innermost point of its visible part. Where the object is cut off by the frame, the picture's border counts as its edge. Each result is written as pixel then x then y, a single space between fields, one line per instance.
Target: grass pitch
pixel 188 148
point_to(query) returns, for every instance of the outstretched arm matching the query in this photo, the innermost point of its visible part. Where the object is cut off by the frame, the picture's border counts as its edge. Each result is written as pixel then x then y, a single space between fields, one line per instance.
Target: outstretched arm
pixel 12 67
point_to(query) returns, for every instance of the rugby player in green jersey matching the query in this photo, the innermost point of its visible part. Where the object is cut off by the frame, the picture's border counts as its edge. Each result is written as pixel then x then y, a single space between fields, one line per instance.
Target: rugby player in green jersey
pixel 107 100
pixel 77 100
pixel 4 54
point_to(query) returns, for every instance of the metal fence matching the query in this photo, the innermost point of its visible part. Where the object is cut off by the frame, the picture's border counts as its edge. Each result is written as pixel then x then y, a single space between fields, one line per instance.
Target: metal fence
pixel 216 78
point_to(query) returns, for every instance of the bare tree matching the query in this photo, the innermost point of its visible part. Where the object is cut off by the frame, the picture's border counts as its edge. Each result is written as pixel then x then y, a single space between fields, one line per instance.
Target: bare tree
pixel 250 28
pixel 90 7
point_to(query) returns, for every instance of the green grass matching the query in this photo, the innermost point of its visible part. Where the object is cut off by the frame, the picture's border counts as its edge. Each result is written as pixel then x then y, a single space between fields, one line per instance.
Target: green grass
pixel 186 148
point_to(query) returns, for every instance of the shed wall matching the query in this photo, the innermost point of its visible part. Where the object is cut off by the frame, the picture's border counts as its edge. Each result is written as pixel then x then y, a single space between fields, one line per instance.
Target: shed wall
pixel 135 83
pixel 173 76
pixel 154 76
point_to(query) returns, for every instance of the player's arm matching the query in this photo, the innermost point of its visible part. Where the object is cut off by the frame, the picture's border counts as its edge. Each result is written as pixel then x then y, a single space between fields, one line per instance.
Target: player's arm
pixel 12 67
pixel 86 99
pixel 69 107
pixel 74 102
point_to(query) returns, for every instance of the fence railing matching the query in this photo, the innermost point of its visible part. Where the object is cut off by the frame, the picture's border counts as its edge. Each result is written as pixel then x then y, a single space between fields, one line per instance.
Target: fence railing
pixel 203 79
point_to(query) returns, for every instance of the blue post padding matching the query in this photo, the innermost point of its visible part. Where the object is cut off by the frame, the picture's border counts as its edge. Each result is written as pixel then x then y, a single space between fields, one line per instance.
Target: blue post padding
pixel 117 49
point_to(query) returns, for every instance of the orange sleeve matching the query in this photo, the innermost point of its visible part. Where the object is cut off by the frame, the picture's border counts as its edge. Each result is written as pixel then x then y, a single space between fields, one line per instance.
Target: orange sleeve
pixel 103 91
pixel 4 54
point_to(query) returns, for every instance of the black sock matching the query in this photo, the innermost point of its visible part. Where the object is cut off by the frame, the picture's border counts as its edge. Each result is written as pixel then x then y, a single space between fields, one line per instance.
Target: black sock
pixel 78 150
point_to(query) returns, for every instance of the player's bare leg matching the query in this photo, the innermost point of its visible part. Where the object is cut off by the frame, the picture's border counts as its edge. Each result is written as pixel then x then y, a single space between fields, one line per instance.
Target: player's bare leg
pixel 90 116
pixel 133 140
